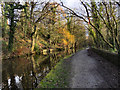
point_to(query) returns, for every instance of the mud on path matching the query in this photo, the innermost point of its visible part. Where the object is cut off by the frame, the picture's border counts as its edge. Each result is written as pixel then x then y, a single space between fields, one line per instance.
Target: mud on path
pixel 91 71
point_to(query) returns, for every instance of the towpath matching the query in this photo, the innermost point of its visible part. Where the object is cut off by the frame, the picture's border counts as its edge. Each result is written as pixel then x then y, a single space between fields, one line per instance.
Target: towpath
pixel 91 71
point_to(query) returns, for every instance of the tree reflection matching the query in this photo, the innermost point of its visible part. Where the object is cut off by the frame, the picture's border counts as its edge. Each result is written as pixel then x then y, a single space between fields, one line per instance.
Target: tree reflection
pixel 27 72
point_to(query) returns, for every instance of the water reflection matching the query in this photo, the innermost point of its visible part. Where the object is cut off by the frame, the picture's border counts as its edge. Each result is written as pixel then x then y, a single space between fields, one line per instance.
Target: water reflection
pixel 27 72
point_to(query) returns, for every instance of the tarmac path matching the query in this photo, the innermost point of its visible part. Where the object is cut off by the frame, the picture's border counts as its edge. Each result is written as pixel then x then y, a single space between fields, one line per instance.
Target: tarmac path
pixel 92 71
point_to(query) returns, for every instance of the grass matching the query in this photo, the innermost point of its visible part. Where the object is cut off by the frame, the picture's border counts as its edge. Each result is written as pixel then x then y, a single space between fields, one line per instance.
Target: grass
pixel 58 77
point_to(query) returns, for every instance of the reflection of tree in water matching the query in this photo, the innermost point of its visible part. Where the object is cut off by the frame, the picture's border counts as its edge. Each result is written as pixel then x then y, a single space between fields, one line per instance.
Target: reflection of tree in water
pixel 4 79
pixel 11 73
pixel 18 67
pixel 40 68
pixel 28 71
pixel 9 77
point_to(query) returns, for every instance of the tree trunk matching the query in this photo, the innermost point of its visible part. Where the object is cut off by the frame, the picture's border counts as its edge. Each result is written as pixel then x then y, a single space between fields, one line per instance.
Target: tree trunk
pixel 33 37
pixel 12 30
pixel 32 44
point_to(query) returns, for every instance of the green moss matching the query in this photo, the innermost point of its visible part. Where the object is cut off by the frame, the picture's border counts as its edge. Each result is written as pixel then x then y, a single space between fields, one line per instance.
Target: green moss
pixel 58 77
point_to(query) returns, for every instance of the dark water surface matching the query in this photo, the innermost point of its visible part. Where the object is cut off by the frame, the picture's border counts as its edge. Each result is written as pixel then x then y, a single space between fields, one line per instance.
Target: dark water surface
pixel 27 72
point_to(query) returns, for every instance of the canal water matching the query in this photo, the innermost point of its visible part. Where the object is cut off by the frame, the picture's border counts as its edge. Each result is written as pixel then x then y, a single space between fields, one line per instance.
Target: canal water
pixel 26 72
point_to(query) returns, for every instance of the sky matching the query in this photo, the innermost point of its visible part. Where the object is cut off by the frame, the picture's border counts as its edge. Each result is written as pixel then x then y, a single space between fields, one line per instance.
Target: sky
pixel 72 3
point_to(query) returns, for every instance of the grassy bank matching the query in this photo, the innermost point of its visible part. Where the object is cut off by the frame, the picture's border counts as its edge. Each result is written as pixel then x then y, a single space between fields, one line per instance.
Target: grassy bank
pixel 59 76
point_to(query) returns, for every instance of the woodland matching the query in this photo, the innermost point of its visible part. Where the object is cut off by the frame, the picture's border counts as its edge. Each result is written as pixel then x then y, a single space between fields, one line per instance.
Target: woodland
pixel 37 35
pixel 34 26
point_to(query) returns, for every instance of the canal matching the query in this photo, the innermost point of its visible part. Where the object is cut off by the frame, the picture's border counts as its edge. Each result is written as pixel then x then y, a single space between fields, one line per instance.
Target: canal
pixel 27 72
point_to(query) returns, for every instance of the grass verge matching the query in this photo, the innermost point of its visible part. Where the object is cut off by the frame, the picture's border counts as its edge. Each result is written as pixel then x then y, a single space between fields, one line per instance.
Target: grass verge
pixel 59 76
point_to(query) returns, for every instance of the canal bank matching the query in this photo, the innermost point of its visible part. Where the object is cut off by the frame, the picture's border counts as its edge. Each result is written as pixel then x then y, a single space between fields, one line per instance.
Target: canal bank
pixel 59 76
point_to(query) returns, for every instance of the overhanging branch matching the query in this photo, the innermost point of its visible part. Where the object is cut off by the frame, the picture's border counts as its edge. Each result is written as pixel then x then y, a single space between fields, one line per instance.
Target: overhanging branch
pixel 110 45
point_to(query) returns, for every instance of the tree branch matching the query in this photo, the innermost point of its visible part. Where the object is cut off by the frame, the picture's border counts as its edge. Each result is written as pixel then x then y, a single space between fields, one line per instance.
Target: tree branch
pixel 118 4
pixel 111 46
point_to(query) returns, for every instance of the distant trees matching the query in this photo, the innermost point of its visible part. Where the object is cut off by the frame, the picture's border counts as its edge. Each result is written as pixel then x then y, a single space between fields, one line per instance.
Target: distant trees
pixel 38 25
pixel 102 23
pixel 33 26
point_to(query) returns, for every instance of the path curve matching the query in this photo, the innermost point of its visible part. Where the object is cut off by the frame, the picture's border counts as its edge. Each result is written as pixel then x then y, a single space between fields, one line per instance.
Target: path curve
pixel 92 72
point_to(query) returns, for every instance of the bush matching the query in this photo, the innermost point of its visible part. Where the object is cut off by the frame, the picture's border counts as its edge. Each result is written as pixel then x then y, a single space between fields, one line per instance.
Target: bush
pixel 36 48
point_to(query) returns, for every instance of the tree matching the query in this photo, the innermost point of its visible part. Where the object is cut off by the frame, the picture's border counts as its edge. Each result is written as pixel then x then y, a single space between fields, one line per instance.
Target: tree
pixel 10 14
pixel 95 26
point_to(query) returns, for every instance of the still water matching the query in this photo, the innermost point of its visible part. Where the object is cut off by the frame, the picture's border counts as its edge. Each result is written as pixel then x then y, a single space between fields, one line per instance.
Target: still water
pixel 27 72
